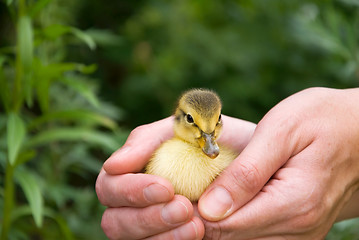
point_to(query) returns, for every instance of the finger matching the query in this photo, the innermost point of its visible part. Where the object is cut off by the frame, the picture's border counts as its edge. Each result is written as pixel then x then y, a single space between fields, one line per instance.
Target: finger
pixel 192 230
pixel 272 144
pixel 140 145
pixel 139 223
pixel 132 190
pixel 237 129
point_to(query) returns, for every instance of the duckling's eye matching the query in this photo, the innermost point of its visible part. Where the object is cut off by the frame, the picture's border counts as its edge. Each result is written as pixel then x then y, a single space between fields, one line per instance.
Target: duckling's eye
pixel 220 117
pixel 189 118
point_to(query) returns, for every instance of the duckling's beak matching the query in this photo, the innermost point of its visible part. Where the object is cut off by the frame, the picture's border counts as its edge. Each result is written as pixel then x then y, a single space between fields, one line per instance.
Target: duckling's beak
pixel 209 145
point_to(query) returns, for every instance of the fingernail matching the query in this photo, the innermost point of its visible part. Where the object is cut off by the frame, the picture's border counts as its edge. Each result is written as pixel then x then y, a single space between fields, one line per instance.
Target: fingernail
pixel 216 204
pixel 174 212
pixel 156 193
pixel 186 231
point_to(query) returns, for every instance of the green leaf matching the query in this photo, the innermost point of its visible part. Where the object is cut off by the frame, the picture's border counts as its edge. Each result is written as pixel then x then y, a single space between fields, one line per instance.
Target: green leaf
pixel 74 115
pixel 25 47
pixel 316 33
pixel 55 31
pixel 104 37
pixel 25 210
pixel 29 185
pixel 15 136
pixel 38 6
pixel 25 41
pixel 84 37
pixel 25 156
pixel 55 70
pixel 82 86
pixel 63 224
pixel 45 75
pixel 73 134
pixel 20 212
pixel 86 69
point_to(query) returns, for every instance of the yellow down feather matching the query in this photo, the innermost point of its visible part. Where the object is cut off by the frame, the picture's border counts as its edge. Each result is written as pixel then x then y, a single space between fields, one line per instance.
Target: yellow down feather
pixel 191 160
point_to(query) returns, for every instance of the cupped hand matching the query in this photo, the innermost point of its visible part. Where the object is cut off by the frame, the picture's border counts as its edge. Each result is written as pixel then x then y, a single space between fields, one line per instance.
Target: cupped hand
pixel 296 174
pixel 142 206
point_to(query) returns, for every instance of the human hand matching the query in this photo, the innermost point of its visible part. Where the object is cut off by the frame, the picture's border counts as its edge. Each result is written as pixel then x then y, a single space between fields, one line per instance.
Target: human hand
pixel 144 206
pixel 296 174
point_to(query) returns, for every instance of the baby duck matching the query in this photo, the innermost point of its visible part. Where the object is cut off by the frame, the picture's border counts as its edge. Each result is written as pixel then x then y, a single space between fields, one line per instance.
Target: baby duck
pixel 192 159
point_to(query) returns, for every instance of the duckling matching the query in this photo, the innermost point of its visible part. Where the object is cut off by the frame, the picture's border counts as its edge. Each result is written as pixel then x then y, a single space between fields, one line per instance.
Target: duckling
pixel 192 159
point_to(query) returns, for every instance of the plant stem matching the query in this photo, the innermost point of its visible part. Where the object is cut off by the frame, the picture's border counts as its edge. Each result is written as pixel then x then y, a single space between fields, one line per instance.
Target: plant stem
pixel 8 201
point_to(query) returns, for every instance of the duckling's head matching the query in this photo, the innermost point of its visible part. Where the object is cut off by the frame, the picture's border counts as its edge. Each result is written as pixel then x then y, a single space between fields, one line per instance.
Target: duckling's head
pixel 198 120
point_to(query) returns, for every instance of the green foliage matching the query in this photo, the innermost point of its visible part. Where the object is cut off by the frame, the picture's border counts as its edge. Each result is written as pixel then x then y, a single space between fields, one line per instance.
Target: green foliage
pixel 33 194
pixel 54 124
pixel 15 136
pixel 56 130
pixel 253 53
pixel 346 230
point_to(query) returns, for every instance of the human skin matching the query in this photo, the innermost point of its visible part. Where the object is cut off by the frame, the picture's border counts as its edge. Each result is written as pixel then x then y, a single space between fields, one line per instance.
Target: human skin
pixel 135 211
pixel 298 173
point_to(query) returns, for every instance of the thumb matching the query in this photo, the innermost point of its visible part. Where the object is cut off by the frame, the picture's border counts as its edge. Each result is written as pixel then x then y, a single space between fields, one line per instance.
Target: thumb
pixel 269 149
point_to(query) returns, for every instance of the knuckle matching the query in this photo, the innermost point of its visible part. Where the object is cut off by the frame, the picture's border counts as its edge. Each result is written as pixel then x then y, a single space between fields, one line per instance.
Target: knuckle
pixel 129 192
pixel 144 220
pixel 136 134
pixel 130 196
pixel 306 222
pixel 310 216
pixel 246 176
pixel 213 230
pixel 107 225
pixel 138 131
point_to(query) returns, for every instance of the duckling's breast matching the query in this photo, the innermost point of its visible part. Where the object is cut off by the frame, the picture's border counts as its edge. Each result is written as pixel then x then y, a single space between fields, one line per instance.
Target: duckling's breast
pixel 188 169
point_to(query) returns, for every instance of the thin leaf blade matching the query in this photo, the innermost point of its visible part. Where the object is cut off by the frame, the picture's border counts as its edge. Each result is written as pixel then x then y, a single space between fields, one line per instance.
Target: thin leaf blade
pixel 33 194
pixel 98 138
pixel 74 115
pixel 82 86
pixel 15 136
pixel 25 41
pixel 84 37
pixel 25 45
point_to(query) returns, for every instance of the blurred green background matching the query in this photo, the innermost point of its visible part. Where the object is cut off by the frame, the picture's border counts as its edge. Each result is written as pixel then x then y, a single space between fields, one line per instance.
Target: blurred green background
pixel 77 76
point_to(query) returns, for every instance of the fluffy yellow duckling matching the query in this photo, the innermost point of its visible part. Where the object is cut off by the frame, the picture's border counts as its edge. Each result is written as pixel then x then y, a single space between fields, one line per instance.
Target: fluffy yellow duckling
pixel 192 159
